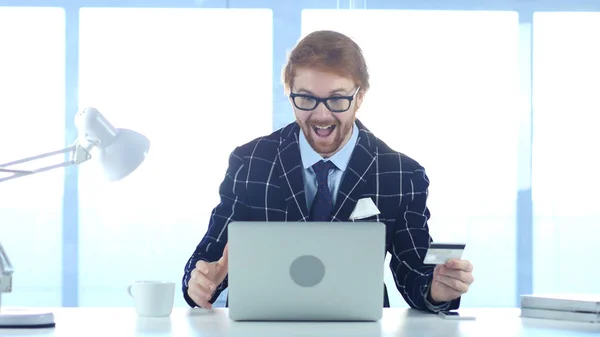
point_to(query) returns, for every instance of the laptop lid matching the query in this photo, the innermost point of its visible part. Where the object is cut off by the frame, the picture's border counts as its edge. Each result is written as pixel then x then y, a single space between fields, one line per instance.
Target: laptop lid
pixel 316 271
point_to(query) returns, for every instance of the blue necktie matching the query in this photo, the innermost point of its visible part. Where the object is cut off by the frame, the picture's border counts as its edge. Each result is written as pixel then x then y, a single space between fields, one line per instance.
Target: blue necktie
pixel 322 204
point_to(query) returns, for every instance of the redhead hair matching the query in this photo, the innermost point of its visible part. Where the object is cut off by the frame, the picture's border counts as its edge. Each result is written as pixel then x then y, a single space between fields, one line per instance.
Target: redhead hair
pixel 329 51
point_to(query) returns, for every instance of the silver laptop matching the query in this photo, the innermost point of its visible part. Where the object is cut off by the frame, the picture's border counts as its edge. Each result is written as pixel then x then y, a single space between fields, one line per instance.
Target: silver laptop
pixel 306 271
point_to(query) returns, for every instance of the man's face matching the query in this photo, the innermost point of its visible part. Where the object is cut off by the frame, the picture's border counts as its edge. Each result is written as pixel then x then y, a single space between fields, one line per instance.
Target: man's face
pixel 326 131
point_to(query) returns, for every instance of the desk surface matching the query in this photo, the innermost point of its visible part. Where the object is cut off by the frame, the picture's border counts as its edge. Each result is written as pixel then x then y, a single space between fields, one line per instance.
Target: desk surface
pixel 71 322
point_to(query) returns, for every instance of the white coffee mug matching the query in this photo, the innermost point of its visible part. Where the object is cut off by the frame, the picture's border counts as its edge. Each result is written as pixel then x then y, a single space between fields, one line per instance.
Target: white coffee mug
pixel 152 298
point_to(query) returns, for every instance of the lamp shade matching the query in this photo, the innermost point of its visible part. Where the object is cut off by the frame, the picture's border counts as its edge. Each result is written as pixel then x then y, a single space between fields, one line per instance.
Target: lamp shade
pixel 118 152
pixel 123 155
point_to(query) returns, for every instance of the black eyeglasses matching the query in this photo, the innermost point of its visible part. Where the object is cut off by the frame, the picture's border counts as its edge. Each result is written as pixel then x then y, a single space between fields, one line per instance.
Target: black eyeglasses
pixel 333 103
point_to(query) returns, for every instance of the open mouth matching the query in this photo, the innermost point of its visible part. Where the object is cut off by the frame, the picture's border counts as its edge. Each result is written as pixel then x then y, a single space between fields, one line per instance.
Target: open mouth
pixel 323 131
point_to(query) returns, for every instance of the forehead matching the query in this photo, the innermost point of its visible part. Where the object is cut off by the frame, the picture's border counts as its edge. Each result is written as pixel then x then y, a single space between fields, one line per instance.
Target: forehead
pixel 321 83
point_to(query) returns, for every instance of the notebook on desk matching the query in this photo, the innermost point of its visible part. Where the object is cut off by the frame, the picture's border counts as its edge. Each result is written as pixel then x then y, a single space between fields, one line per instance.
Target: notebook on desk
pixel 562 302
pixel 559 315
pixel 566 307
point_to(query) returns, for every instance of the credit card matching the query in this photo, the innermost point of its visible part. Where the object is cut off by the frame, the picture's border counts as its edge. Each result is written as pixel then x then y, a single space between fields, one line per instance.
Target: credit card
pixel 440 253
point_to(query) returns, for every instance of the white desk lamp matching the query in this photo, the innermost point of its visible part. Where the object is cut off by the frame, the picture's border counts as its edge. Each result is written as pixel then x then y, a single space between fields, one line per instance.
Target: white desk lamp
pixel 118 151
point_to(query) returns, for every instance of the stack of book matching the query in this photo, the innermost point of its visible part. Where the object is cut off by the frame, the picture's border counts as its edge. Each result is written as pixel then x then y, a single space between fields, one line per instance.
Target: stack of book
pixel 564 307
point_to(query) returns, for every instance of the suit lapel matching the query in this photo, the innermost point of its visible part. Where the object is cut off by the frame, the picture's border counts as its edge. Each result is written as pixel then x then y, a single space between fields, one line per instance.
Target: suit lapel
pixel 361 166
pixel 291 177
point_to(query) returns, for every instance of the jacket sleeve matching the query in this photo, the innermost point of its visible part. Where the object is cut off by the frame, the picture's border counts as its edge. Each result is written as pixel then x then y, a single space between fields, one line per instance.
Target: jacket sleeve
pixel 410 243
pixel 232 207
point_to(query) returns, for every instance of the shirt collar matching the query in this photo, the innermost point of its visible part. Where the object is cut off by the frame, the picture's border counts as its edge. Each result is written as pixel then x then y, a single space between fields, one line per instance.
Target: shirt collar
pixel 340 159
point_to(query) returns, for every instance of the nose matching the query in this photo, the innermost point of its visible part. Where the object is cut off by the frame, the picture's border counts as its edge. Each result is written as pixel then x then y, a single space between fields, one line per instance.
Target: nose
pixel 321 111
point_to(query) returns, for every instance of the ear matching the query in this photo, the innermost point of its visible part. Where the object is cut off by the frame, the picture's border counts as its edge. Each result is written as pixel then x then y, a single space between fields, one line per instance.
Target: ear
pixel 359 99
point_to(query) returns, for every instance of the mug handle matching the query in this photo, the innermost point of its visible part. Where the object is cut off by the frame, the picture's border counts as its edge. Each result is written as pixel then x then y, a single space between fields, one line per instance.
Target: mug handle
pixel 129 291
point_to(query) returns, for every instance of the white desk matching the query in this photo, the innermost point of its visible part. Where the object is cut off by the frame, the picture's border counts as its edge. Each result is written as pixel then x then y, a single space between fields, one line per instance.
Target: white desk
pixel 76 322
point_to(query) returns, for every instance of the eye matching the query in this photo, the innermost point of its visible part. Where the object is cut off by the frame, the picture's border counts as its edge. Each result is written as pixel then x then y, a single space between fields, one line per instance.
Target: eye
pixel 338 102
pixel 305 102
pixel 306 99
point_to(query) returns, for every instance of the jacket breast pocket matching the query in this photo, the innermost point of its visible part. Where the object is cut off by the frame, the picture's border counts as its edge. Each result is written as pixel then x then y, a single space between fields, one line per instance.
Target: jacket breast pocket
pixel 372 218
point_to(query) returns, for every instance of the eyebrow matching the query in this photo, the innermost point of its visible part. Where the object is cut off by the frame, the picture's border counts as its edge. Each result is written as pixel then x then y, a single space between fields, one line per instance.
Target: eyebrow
pixel 336 91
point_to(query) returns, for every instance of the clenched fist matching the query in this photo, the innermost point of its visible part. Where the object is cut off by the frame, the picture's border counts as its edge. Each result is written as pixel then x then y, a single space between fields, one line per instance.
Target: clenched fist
pixel 205 279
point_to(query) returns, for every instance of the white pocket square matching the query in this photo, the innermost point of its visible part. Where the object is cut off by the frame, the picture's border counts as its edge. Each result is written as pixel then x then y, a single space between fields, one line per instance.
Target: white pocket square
pixel 365 208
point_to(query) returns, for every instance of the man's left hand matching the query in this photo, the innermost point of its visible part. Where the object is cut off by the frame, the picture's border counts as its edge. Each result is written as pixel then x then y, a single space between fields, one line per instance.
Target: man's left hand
pixel 451 280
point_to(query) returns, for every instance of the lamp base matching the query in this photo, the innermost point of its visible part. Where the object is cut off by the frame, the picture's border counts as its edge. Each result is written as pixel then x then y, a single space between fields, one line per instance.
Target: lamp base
pixel 26 319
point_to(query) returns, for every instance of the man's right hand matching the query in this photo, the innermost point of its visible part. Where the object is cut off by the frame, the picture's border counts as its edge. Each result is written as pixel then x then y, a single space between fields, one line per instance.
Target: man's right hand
pixel 206 277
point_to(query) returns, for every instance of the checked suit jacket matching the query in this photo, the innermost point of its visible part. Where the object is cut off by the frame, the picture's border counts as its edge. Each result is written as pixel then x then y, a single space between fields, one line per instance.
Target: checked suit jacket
pixel 264 182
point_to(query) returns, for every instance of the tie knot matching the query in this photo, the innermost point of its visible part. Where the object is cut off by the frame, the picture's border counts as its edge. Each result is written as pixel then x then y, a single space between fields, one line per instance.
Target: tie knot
pixel 322 167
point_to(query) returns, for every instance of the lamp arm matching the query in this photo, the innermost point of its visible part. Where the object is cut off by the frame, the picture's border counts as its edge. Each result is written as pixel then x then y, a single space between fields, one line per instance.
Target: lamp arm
pixel 6 270
pixel 79 154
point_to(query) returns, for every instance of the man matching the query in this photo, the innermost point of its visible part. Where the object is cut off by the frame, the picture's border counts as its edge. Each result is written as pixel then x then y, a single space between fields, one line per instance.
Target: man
pixel 316 169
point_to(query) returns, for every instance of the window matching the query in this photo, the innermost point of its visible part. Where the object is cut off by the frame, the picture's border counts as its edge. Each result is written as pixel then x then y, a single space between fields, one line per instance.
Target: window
pixel 32 122
pixel 566 84
pixel 444 91
pixel 197 83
